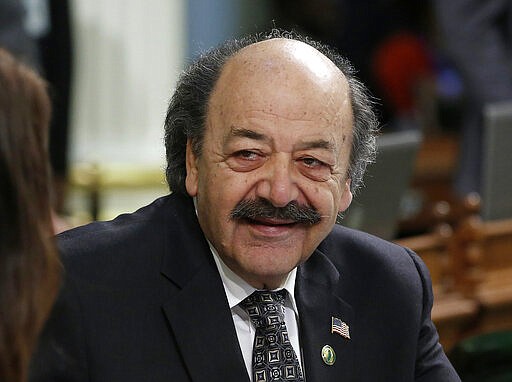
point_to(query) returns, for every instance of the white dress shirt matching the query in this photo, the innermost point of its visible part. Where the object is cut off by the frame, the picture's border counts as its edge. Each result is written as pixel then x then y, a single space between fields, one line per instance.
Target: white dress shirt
pixel 237 290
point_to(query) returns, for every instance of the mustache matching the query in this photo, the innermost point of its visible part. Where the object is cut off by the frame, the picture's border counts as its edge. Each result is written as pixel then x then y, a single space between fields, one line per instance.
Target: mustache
pixel 262 208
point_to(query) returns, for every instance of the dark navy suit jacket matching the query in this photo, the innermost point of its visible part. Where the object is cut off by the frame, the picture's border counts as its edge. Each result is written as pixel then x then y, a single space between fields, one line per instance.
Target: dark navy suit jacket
pixel 143 301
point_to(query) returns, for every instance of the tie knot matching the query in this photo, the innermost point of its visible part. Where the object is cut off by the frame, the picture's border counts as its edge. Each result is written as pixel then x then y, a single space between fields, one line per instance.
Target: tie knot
pixel 265 308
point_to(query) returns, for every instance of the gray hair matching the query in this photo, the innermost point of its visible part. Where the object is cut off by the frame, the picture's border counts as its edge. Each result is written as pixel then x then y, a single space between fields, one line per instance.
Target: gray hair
pixel 188 108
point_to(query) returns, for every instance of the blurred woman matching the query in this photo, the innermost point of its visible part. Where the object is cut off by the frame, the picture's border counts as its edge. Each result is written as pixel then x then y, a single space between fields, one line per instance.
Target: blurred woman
pixel 29 268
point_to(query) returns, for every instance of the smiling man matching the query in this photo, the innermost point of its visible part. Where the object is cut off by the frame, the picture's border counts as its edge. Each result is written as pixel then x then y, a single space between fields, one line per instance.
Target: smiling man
pixel 241 273
pixel 279 129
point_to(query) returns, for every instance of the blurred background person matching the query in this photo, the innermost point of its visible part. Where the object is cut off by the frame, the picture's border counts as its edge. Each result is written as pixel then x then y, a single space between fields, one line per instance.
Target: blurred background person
pixel 14 36
pixel 29 268
pixel 477 37
pixel 38 32
pixel 386 40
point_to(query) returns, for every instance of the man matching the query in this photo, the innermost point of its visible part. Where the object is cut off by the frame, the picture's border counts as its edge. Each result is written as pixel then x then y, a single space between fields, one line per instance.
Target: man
pixel 267 138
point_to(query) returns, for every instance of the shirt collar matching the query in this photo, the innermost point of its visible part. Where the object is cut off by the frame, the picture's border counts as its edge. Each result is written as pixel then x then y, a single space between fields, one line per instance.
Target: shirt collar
pixel 238 289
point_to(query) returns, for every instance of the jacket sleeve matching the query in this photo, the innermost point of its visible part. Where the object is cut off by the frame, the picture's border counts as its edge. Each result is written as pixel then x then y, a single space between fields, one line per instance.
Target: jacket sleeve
pixel 432 365
pixel 61 353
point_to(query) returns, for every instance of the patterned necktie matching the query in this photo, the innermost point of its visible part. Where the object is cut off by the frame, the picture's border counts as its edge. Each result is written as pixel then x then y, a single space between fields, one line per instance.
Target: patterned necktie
pixel 273 357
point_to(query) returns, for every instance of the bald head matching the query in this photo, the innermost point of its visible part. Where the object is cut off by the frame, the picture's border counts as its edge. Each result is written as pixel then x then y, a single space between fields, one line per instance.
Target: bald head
pixel 285 78
pixel 283 54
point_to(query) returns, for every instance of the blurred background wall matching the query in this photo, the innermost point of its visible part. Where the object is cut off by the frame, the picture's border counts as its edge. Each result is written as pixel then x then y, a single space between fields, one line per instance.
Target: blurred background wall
pixel 128 54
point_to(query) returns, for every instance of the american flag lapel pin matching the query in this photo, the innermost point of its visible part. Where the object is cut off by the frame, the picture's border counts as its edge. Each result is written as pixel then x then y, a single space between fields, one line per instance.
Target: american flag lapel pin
pixel 340 327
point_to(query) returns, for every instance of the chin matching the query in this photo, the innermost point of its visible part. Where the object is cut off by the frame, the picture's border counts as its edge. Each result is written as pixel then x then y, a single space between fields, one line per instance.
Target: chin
pixel 270 266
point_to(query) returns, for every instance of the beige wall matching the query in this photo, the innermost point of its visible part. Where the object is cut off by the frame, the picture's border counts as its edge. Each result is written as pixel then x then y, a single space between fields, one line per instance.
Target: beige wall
pixel 128 54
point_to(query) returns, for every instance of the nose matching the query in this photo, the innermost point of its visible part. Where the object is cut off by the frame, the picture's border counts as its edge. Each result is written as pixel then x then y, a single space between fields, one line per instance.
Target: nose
pixel 278 184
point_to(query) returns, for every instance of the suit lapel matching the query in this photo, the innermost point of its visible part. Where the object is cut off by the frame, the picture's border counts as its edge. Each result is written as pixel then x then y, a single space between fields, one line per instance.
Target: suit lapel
pixel 201 322
pixel 199 314
pixel 317 288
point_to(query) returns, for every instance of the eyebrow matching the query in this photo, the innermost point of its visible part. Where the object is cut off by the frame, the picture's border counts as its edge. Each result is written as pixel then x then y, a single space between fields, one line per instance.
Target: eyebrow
pixel 247 133
pixel 317 144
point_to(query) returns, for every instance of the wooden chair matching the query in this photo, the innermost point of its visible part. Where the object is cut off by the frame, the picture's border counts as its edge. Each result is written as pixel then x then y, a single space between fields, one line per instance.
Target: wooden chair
pixel 484 250
pixel 453 311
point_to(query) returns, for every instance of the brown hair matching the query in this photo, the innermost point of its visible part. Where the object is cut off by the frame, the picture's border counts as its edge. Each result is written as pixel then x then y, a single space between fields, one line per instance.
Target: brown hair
pixel 29 269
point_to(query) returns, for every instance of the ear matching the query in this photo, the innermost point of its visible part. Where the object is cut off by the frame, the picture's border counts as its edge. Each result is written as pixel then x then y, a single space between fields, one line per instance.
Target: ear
pixel 191 180
pixel 346 196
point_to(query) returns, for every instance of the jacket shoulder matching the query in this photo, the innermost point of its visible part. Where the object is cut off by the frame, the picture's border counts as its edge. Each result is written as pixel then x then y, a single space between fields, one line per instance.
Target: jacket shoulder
pixel 130 242
pixel 345 246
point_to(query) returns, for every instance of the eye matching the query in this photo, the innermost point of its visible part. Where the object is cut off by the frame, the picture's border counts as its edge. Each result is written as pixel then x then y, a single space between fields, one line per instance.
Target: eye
pixel 245 160
pixel 312 162
pixel 314 169
pixel 246 155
